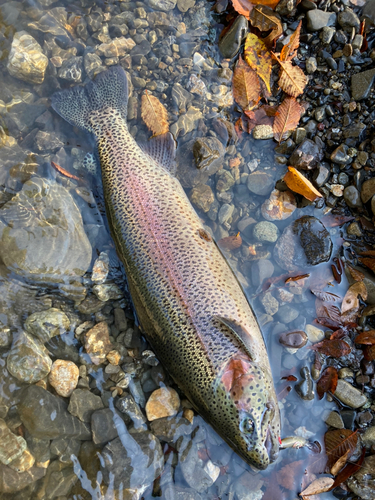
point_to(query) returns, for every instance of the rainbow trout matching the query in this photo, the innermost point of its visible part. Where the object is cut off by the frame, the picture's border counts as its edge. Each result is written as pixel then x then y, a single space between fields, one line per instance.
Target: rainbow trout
pixel 188 301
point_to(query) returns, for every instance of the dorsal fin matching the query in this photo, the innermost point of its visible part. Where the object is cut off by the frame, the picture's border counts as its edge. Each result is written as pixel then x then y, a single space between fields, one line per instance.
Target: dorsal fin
pixel 162 149
pixel 241 335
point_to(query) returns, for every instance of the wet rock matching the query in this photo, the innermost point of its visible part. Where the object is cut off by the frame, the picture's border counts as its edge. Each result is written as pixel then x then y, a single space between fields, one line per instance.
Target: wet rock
pixel 352 197
pixel 368 437
pixel 23 462
pixel 11 446
pixel 368 190
pixel 362 83
pixel 163 402
pixel 133 461
pixel 28 359
pixel 131 411
pixel 202 197
pixel 169 429
pixel 362 483
pixel 118 47
pixel 231 39
pixel 225 181
pixel 318 19
pixel 270 304
pixel 107 291
pixel 83 403
pixel 38 243
pixel 348 20
pixel 208 153
pixel 266 232
pixel 263 132
pixel 71 70
pixel 26 59
pixel 181 97
pixel 63 377
pixel 40 448
pixel 187 122
pixel 163 5
pixel 225 213
pixel 195 475
pixel 349 395
pixel 90 305
pixel 260 271
pixel 60 480
pixel 314 334
pixel 311 65
pixel 314 238
pixel 306 156
pixel 97 343
pixel 46 142
pixel 334 420
pixel 105 425
pixel 279 206
pixel 340 155
pixel 305 388
pixel 173 492
pixel 47 324
pixel 321 175
pixel 248 487
pixel 12 481
pixel 260 183
pixel 287 314
pixel 45 416
pixel 92 64
pixel 64 448
pixel 356 130
pixel 100 268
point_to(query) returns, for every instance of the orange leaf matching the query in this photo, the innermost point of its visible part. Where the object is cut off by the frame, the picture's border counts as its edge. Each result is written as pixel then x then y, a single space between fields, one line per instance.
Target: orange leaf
pixel 64 172
pixel 287 118
pixel 297 278
pixel 338 442
pixel 292 79
pixel 356 275
pixel 154 114
pixel 368 262
pixel 327 310
pixel 243 7
pixel 299 184
pixel 350 301
pixel 246 86
pixel 289 51
pixel 335 348
pixel 265 19
pixel 366 338
pixel 327 382
pixel 258 58
pixel 230 242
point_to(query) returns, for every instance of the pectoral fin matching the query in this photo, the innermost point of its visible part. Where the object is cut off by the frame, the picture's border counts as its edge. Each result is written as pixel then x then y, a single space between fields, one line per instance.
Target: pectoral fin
pixel 248 343
pixel 163 150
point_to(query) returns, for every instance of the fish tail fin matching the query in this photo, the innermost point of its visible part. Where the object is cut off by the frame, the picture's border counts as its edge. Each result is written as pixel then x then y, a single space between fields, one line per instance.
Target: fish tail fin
pixel 108 90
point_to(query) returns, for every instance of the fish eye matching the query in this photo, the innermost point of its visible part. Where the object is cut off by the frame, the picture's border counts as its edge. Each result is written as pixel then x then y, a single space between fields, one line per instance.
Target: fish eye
pixel 247 425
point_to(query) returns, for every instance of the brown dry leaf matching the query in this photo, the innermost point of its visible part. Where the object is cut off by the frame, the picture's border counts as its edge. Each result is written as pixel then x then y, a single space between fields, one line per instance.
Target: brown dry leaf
pixel 265 19
pixel 338 442
pixel 292 79
pixel 349 470
pixel 350 301
pixel 326 296
pixel 246 86
pixel 369 352
pixel 230 242
pixel 335 348
pixel 289 475
pixel 356 275
pixel 287 118
pixel 260 116
pixel 289 51
pixel 368 262
pixel 64 172
pixel 340 463
pixel 367 338
pixel 258 58
pixel 318 486
pixel 368 253
pixel 327 310
pixel 299 184
pixel 154 114
pixel 327 382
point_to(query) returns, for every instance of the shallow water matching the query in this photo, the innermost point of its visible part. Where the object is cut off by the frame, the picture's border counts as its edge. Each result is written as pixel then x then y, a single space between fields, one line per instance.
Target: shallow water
pixel 53 229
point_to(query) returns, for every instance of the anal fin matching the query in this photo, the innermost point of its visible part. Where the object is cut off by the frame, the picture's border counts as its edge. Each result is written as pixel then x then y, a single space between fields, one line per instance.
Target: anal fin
pixel 162 149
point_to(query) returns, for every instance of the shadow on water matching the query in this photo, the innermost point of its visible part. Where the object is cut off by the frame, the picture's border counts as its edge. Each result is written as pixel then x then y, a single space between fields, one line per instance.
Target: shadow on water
pixel 62 287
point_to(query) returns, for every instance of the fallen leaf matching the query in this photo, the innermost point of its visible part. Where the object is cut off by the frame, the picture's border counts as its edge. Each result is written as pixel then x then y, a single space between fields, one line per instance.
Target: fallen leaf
pixel 64 172
pixel 349 470
pixel 289 475
pixel 369 353
pixel 292 79
pixel 356 275
pixel 258 58
pixel 335 348
pixel 243 7
pixel 289 51
pixel 328 322
pixel 367 338
pixel 350 301
pixel 337 442
pixel 288 117
pixel 246 86
pixel 265 19
pixel 297 278
pixel 154 114
pixel 327 382
pixel 340 463
pixel 230 242
pixel 318 486
pixel 370 263
pixel 260 116
pixel 327 309
pixel 326 296
pixel 331 220
pixel 368 253
pixel 299 184
pixel 290 378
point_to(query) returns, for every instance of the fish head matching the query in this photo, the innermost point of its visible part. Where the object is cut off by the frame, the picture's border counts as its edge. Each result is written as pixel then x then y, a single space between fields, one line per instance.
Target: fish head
pixel 254 414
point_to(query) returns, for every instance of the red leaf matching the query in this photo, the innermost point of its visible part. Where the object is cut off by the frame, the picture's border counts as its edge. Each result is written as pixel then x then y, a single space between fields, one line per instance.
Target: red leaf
pixel 64 172
pixel 366 338
pixel 334 348
pixel 327 382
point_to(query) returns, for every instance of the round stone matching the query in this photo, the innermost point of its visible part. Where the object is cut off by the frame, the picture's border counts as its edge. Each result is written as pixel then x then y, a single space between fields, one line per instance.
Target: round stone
pixel 352 197
pixel 163 402
pixel 26 59
pixel 260 183
pixel 314 334
pixel 266 232
pixel 64 377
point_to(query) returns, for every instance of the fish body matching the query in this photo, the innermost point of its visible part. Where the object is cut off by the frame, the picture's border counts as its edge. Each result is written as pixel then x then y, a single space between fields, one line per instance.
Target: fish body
pixel 188 301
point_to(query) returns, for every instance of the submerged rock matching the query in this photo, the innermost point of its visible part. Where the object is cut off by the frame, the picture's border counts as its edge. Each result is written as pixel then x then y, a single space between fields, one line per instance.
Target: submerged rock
pixel 42 235
pixel 11 446
pixel 47 324
pixel 63 377
pixel 26 59
pixel 362 483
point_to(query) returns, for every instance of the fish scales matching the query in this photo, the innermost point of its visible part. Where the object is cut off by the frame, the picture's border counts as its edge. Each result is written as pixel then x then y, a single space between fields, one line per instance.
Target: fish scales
pixel 189 303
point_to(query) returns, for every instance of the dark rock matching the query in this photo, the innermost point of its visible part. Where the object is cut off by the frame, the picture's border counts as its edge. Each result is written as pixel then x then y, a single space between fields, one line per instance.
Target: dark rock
pixel 169 429
pixel 318 19
pixel 104 425
pixel 64 448
pixel 348 20
pixel 181 97
pixel 83 403
pixel 12 481
pixel 260 183
pixel 132 461
pixel 362 84
pixel 71 69
pixel 39 448
pixel 232 37
pixel 352 197
pixel 208 154
pixel 294 340
pixel 305 388
pixel 306 156
pixel 321 175
pixel 314 238
pixel 46 324
pixel 131 411
pixel 45 416
pixel 340 155
pixel 28 359
pixel 59 480
pixel 368 190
